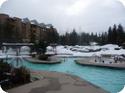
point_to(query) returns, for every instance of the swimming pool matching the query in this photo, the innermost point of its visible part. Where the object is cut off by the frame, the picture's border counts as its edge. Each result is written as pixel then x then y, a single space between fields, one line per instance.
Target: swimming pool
pixel 111 80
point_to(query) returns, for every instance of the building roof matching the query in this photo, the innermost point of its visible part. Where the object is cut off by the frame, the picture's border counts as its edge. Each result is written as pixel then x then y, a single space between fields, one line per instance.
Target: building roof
pixel 25 20
pixel 34 22
pixel 49 25
pixel 17 44
pixel 42 25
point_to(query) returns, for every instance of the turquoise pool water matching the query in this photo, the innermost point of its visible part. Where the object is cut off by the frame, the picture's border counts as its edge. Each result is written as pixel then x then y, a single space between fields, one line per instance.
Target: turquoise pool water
pixel 111 80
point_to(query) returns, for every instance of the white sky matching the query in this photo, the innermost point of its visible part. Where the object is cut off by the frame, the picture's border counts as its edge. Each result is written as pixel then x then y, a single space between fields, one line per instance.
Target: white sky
pixel 122 1
pixel 1 2
pixel 77 7
pixel 84 15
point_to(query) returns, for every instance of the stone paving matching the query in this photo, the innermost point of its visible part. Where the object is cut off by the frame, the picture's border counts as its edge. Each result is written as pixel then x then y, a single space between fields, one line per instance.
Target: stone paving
pixel 54 82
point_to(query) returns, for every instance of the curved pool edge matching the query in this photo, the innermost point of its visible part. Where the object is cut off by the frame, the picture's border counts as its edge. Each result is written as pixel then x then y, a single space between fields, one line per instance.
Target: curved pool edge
pixel 112 66
pixel 85 72
pixel 36 61
pixel 57 82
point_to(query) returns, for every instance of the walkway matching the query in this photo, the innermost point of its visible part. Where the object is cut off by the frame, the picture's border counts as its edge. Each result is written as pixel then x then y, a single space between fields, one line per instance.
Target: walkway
pixel 54 82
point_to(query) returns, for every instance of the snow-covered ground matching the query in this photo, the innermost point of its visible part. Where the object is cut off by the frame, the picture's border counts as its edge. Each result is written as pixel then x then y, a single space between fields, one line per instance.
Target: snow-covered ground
pixel 82 51
pixel 11 53
pixel 74 51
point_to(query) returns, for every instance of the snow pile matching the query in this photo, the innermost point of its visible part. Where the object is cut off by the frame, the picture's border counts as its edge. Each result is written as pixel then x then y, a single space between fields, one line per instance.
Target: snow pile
pixel 77 51
pixel 123 90
pixel 82 51
pixel 110 47
pixel 79 54
pixel 63 50
pixel 50 51
pixel 25 50
pixel 49 48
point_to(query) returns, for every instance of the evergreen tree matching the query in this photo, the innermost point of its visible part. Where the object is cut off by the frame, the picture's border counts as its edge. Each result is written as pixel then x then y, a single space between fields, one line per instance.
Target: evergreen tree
pixel 114 34
pixel 73 38
pixel 120 34
pixel 110 35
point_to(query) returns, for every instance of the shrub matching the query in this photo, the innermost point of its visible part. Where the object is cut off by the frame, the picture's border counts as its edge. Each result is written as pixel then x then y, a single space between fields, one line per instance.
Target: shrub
pixel 43 57
pixel 16 77
pixel 4 67
pixel 21 75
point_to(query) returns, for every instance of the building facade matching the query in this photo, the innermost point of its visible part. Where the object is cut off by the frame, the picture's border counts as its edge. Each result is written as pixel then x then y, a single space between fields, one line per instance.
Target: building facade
pixel 14 29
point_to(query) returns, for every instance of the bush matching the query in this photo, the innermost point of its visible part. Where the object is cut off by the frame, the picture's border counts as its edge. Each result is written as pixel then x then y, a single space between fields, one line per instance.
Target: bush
pixel 43 57
pixel 21 75
pixel 33 55
pixel 4 67
pixel 16 77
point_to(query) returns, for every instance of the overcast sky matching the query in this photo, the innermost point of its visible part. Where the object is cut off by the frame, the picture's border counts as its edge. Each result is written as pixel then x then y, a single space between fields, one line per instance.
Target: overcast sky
pixel 84 15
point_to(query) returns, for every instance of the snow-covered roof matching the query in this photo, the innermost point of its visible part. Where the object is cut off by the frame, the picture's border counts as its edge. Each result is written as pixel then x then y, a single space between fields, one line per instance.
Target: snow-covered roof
pixel 48 25
pixel 17 44
pixel 42 25
pixel 25 20
pixel 34 22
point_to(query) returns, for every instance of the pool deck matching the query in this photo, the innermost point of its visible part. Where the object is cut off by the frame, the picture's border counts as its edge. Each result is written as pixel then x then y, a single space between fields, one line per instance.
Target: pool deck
pixel 100 64
pixel 55 82
pixel 37 61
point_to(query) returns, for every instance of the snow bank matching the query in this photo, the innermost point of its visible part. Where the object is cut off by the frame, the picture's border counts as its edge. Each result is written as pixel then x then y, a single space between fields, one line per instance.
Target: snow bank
pixel 63 50
pixel 110 46
pixel 81 51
